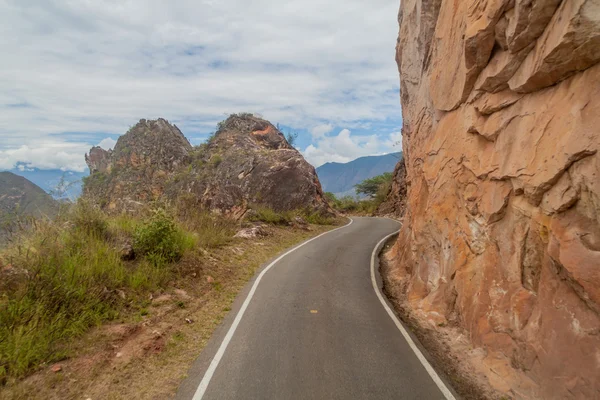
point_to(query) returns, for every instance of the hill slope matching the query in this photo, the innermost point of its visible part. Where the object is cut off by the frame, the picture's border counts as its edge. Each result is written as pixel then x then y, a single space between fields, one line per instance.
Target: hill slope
pixel 340 179
pixel 50 181
pixel 21 196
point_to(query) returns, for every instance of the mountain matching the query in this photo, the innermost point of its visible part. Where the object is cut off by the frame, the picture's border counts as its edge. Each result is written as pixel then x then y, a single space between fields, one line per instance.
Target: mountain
pixel 340 179
pixel 19 196
pixel 247 161
pixel 500 242
pixel 51 180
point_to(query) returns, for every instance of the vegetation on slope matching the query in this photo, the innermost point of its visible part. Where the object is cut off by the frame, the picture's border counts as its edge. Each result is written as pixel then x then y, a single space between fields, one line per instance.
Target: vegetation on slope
pixel 265 214
pixel 20 201
pixel 86 268
pixel 340 179
pixel 71 274
pixel 376 189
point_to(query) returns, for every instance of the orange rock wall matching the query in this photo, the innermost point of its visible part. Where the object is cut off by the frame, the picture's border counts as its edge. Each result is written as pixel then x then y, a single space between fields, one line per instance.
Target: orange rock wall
pixel 501 110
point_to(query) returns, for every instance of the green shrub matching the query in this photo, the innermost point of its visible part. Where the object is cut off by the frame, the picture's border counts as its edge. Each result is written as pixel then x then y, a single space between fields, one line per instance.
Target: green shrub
pixel 376 185
pixel 270 216
pixel 349 204
pixel 160 240
pixel 318 218
pixel 215 160
pixel 72 274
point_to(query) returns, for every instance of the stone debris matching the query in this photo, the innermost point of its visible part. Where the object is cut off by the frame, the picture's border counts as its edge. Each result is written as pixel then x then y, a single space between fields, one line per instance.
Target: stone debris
pixel 252 232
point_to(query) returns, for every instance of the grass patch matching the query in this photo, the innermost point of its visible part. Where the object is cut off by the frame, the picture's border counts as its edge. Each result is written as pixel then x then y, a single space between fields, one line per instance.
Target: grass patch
pixel 73 278
pixel 158 375
pixel 351 205
pixel 317 218
pixel 261 213
pixel 211 231
pixel 268 215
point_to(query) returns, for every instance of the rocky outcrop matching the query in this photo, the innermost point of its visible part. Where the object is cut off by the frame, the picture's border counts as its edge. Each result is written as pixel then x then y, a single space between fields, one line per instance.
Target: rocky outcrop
pixel 139 168
pixel 501 238
pixel 99 160
pixel 394 205
pixel 247 161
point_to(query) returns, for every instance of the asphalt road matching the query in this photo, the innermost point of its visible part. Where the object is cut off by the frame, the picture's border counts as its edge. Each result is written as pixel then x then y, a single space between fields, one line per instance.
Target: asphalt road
pixel 314 328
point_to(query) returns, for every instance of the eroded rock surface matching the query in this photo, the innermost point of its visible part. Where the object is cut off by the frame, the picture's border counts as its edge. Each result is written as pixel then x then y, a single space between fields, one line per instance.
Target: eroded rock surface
pixel 248 161
pixel 501 237
pixel 395 204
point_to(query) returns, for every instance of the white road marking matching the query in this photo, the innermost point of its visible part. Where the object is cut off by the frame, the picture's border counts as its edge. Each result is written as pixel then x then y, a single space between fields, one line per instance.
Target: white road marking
pixel 440 384
pixel 219 355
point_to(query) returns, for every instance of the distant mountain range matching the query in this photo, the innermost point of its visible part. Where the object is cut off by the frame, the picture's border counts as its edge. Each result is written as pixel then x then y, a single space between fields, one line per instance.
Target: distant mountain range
pixel 51 180
pixel 340 178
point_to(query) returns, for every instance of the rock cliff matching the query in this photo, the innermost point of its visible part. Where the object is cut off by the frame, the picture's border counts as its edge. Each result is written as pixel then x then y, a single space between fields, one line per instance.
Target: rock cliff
pixel 247 161
pixel 394 205
pixel 501 238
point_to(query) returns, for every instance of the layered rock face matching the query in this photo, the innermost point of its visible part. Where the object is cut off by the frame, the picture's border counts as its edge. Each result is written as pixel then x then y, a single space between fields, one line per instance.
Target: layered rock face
pixel 501 109
pixel 248 161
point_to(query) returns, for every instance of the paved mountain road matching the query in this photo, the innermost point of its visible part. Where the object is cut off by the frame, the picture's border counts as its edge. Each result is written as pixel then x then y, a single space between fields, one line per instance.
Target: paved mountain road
pixel 314 328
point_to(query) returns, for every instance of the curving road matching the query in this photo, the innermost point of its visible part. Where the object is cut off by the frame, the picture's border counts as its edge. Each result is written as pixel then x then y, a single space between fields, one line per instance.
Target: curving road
pixel 312 326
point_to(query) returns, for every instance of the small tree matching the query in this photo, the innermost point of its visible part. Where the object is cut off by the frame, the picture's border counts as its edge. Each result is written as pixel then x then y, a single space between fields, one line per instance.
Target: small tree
pixel 374 187
pixel 291 138
pixel 330 197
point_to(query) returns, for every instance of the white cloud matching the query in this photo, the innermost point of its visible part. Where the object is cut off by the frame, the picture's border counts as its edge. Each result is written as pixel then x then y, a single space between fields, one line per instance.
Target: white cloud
pixel 61 155
pixel 321 130
pixel 58 155
pixel 99 66
pixel 394 140
pixel 345 147
pixel 107 144
pixel 23 168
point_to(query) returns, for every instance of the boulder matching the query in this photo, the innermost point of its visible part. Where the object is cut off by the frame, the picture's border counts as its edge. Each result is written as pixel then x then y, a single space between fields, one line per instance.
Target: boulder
pixel 251 232
pixel 98 160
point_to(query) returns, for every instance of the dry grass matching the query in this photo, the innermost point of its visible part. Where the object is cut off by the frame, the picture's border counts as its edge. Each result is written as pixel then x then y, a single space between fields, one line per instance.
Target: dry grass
pixel 146 351
pixel 261 213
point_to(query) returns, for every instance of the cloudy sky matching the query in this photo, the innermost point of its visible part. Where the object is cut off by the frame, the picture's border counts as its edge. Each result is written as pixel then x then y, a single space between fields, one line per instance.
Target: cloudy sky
pixel 76 73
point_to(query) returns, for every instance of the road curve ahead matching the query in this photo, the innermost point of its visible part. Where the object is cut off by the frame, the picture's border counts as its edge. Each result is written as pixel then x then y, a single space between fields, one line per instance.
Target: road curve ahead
pixel 313 328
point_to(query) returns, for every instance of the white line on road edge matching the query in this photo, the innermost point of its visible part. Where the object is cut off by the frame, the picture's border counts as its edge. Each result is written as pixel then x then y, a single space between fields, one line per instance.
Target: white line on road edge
pixel 215 361
pixel 440 384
